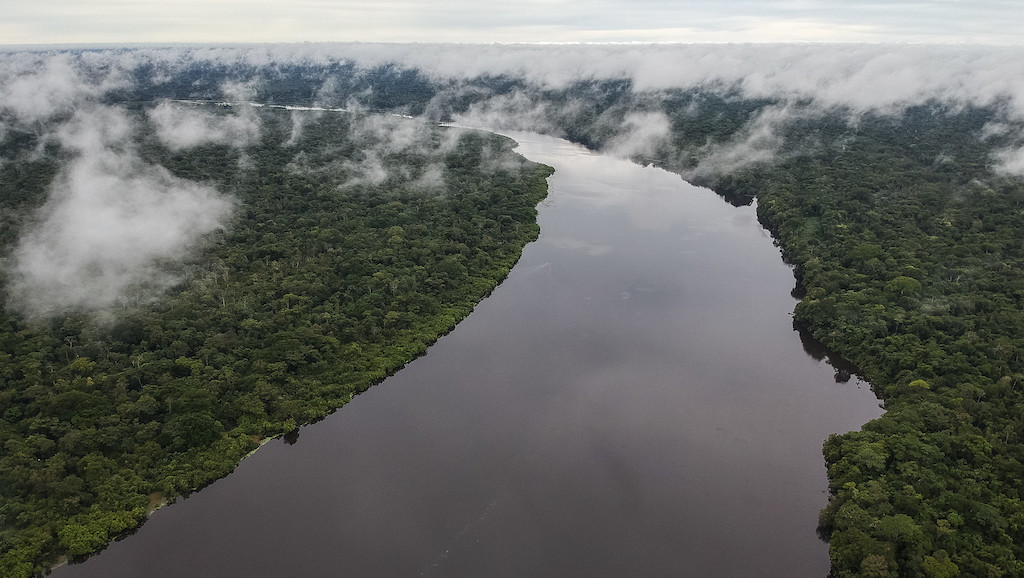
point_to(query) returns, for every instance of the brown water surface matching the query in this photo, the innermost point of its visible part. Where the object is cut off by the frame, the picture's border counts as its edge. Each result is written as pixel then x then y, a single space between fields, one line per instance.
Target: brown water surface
pixel 632 401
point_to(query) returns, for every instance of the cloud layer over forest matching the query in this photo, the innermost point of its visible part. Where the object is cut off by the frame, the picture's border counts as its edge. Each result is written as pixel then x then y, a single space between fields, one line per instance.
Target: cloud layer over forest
pixel 863 77
pixel 112 221
pixel 113 228
pixel 108 223
pixel 856 78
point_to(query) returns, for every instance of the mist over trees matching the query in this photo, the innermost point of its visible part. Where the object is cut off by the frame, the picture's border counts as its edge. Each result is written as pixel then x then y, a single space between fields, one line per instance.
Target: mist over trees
pixel 341 246
pixel 890 176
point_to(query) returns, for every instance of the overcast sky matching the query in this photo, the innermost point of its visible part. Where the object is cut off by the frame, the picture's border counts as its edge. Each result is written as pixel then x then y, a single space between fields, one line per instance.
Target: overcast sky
pixel 233 21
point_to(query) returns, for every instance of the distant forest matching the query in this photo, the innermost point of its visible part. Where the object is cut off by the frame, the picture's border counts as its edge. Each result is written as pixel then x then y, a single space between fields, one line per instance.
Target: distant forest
pixel 906 245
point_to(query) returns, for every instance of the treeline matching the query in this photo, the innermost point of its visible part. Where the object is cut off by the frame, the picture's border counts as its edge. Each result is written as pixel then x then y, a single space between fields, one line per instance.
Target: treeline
pixel 324 283
pixel 906 245
pixel 908 249
pixel 910 252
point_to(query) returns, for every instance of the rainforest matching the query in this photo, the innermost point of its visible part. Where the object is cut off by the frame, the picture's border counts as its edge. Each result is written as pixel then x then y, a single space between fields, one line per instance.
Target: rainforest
pixel 330 221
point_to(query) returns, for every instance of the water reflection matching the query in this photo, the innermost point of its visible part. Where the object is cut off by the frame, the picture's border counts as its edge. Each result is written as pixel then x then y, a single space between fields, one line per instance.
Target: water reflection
pixel 291 437
pixel 845 370
pixel 633 400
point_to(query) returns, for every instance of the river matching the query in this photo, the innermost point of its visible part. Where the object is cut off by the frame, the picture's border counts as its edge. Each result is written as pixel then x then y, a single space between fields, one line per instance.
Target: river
pixel 631 401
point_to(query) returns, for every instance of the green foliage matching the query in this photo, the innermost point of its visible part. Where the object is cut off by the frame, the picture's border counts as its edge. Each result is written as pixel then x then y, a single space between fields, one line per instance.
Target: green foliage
pixel 907 245
pixel 323 285
pixel 909 250
pixel 912 270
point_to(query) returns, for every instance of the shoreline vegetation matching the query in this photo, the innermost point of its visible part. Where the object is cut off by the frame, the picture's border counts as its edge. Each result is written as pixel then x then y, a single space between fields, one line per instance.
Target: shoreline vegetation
pixel 911 269
pixel 324 283
pixel 903 232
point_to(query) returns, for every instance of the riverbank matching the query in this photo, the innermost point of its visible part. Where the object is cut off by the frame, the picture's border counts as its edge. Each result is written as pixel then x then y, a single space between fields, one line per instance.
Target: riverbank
pixel 632 399
pixel 316 292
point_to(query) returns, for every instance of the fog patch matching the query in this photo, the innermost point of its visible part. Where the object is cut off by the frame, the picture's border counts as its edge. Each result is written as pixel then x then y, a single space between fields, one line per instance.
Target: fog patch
pixel 642 134
pixel 390 133
pixel 758 142
pixel 368 170
pixel 513 112
pixel 112 227
pixel 393 147
pixel 1006 137
pixel 299 119
pixel 37 87
pixel 182 126
pixel 431 179
pixel 1009 161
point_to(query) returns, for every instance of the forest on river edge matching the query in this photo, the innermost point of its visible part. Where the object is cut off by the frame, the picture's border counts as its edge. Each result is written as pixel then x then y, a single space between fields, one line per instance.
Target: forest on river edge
pixel 323 283
pixel 908 250
pixel 909 260
pixel 905 241
pixel 908 254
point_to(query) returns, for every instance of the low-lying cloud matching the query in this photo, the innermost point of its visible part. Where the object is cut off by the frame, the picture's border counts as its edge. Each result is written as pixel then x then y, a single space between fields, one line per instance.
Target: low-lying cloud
pixel 757 142
pixel 182 126
pixel 111 226
pixel 1010 161
pixel 35 87
pixel 859 76
pixel 515 111
pixel 383 140
pixel 113 229
pixel 114 225
pixel 643 134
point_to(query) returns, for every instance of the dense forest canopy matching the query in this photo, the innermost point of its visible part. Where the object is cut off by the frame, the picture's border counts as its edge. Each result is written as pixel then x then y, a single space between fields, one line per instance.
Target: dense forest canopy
pixel 346 245
pixel 341 244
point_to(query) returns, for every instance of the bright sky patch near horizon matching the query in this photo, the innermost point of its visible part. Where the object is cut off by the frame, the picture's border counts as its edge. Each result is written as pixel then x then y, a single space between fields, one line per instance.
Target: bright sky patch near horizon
pixel 997 22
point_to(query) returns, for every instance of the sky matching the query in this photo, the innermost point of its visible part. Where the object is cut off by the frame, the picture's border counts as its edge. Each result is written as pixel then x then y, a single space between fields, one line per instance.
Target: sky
pixel 999 22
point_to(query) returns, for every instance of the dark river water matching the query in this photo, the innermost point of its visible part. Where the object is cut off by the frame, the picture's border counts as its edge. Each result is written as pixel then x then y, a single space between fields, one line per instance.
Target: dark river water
pixel 631 401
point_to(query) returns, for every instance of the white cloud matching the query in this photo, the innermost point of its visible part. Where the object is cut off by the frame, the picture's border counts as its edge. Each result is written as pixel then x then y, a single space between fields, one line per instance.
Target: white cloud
pixel 35 87
pixel 111 218
pixel 1010 161
pixel 758 142
pixel 860 76
pixel 515 111
pixel 111 224
pixel 642 135
pixel 184 126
